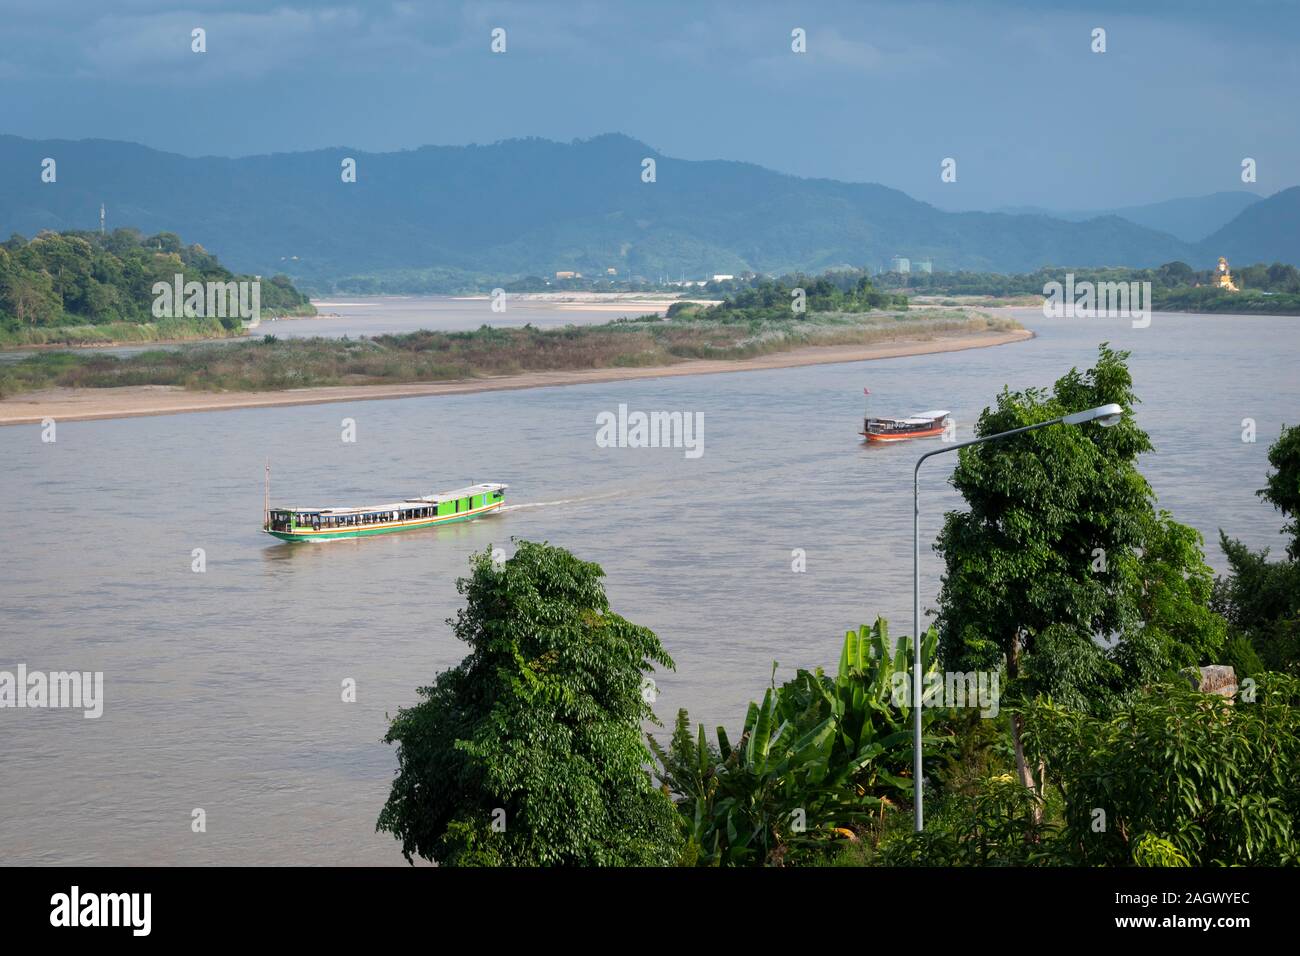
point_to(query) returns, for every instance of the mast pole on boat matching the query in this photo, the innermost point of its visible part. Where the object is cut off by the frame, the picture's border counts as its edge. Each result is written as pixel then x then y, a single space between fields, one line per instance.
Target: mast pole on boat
pixel 266 497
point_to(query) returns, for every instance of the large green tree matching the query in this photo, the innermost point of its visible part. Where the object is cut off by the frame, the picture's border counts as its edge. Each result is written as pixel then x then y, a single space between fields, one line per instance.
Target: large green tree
pixel 1061 570
pixel 1261 598
pixel 530 752
pixel 1282 489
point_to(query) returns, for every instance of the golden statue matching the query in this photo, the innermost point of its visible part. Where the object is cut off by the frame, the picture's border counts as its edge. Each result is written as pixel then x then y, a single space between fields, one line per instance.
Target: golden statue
pixel 1223 276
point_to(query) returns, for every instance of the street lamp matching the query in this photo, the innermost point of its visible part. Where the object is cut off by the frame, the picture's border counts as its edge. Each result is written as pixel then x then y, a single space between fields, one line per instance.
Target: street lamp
pixel 1105 415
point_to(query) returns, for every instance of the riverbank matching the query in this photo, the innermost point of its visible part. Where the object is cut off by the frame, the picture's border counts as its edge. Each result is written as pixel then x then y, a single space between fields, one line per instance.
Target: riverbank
pixel 113 334
pixel 85 404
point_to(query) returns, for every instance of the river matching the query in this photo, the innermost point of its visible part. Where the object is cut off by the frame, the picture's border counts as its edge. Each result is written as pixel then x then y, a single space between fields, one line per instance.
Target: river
pixel 223 688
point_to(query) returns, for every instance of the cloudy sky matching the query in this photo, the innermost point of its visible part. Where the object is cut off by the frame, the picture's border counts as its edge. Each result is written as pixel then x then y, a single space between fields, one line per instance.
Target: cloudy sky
pixel 885 91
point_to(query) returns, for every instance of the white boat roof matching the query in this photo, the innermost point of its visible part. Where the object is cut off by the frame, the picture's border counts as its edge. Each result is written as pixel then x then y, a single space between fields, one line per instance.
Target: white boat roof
pixel 920 418
pixel 452 495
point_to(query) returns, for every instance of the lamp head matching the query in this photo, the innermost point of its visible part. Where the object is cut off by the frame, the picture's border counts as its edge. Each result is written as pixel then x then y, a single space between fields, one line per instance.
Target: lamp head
pixel 1104 415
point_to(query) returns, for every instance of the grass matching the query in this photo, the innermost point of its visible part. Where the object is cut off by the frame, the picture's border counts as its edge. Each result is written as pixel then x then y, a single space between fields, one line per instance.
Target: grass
pixel 117 333
pixel 266 364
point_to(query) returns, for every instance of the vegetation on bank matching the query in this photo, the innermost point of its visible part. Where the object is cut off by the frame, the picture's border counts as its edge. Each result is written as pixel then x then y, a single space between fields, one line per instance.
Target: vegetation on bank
pixel 119 333
pixel 844 284
pixel 795 296
pixel 1093 750
pixel 1175 286
pixel 78 287
pixel 268 364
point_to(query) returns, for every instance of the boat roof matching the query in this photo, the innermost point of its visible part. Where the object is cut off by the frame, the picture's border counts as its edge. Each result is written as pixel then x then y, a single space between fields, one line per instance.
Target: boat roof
pixel 920 418
pixel 455 493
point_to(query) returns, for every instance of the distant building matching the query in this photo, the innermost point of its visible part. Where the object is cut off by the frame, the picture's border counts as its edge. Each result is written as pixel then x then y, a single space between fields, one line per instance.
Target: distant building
pixel 611 271
pixel 568 275
pixel 722 278
pixel 925 265
pixel 900 264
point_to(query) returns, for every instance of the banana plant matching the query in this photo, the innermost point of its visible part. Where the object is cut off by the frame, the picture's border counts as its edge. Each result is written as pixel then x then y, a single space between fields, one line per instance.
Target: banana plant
pixel 816 757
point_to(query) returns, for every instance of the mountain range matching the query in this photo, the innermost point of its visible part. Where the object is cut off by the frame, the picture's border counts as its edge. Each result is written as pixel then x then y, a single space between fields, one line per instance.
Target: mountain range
pixel 534 206
pixel 1191 218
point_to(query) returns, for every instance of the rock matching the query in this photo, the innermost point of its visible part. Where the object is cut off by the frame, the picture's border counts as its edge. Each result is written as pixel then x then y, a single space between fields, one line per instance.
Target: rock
pixel 1218 679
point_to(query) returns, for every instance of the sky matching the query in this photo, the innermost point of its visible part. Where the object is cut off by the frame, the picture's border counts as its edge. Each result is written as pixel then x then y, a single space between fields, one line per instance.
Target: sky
pixel 885 92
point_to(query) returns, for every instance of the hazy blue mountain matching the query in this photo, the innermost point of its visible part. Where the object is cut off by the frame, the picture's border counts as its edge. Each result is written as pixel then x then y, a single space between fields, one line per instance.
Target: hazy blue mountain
pixel 1190 219
pixel 534 206
pixel 1267 231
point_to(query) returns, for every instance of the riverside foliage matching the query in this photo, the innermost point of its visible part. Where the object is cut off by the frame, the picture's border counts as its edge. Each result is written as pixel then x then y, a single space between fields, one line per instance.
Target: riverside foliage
pixel 1175 286
pixel 530 751
pixel 820 758
pixel 63 279
pixel 775 299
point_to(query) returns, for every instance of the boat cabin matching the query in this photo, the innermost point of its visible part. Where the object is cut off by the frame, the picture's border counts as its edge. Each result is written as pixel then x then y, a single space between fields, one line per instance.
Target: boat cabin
pixel 462 501
pixel 920 425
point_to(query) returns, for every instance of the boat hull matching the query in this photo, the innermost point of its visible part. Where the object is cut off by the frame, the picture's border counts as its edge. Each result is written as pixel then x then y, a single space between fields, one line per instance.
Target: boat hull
pixel 904 436
pixel 393 527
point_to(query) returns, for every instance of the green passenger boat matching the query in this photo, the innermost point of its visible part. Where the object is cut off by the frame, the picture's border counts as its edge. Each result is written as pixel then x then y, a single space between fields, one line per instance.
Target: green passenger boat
pixel 329 524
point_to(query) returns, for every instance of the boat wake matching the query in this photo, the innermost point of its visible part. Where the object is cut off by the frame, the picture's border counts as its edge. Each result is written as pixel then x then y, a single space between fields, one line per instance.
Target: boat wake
pixel 563 501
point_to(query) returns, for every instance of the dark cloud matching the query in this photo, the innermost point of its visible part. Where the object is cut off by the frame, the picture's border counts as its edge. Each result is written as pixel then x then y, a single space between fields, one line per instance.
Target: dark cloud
pixel 884 93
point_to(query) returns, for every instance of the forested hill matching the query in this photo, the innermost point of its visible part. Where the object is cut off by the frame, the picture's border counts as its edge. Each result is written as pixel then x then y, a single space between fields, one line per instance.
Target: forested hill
pixel 534 206
pixel 84 278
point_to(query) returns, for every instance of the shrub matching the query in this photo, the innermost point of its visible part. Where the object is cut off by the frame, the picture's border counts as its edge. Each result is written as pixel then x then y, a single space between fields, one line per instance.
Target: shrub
pixel 530 752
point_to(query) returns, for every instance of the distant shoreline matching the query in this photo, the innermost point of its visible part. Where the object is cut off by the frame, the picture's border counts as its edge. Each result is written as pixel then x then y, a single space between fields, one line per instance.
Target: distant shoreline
pixel 91 404
pixel 615 302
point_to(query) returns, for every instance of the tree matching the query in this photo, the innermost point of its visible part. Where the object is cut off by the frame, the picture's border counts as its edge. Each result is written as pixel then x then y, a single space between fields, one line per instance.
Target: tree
pixel 1212 777
pixel 1175 274
pixel 1061 571
pixel 530 751
pixel 1282 489
pixel 1261 598
pixel 30 297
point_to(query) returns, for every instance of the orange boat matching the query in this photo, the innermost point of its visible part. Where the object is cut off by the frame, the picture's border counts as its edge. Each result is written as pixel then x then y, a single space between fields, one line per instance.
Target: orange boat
pixel 921 425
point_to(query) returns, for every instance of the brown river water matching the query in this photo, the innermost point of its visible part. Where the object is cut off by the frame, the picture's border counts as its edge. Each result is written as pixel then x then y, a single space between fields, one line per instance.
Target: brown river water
pixel 222 689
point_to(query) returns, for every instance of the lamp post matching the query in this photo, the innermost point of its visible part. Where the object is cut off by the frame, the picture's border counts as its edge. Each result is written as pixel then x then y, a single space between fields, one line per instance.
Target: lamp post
pixel 1106 415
